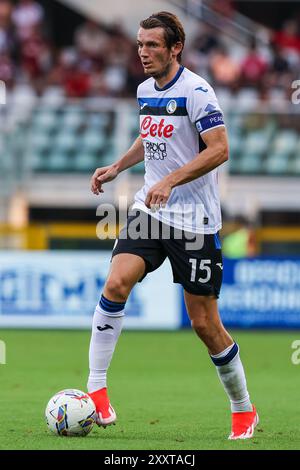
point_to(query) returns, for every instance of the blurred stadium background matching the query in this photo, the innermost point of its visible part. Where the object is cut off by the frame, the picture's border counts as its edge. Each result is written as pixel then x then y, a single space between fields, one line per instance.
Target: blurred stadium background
pixel 71 71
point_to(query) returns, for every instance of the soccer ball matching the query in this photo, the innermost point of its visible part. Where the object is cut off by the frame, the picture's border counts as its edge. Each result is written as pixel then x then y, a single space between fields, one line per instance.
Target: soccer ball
pixel 70 413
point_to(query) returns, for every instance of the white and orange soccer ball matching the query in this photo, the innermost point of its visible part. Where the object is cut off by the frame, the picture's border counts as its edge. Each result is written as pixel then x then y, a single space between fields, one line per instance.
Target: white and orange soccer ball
pixel 70 412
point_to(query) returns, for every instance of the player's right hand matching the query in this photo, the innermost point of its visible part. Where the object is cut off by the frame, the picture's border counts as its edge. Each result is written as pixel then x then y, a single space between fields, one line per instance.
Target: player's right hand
pixel 101 176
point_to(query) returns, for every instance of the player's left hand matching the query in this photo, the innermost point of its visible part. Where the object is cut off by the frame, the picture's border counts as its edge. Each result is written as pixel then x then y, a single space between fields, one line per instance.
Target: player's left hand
pixel 158 195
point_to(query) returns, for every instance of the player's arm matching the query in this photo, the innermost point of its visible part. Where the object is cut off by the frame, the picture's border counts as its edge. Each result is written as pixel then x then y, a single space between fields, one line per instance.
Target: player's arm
pixel 107 173
pixel 215 154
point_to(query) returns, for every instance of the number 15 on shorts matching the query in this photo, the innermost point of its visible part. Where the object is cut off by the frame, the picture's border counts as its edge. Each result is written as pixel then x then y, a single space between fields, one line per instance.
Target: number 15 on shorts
pixel 204 266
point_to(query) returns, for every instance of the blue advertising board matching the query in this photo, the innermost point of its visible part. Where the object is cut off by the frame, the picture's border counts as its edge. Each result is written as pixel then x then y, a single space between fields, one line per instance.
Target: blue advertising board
pixel 60 289
pixel 259 293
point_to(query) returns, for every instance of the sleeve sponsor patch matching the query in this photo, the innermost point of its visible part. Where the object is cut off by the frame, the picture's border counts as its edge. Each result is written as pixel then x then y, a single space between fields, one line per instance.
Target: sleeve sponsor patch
pixel 210 121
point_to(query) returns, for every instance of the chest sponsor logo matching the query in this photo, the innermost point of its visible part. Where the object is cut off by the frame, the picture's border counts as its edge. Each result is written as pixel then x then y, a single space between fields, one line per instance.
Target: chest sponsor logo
pixel 150 128
pixel 155 150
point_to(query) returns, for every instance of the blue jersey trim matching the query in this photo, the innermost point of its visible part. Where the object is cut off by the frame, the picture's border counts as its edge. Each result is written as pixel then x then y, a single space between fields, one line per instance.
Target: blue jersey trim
pixel 162 102
pixel 110 306
pixel 171 83
pixel 222 361
pixel 217 241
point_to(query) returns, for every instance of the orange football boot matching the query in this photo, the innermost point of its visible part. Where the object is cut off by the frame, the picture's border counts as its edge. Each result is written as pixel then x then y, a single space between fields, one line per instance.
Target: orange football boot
pixel 243 424
pixel 105 414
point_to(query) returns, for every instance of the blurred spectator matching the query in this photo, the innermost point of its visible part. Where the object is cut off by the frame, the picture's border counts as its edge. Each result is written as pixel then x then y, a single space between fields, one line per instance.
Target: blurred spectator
pixel 35 55
pixel 280 71
pixel 224 69
pixel 207 40
pixel 289 36
pixel 224 8
pixel 104 60
pixel 253 67
pixel 6 8
pixel 197 62
pixel 135 72
pixel 27 15
pixel 7 34
pixel 197 56
pixel 91 41
pixel 67 74
pixel 118 56
pixel 279 62
pixel 288 39
pixel 7 70
pixel 263 90
pixel 77 83
pixel 240 243
pixel 120 46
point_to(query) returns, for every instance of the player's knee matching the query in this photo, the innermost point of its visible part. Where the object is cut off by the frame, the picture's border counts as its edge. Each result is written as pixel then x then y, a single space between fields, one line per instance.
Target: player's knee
pixel 117 289
pixel 201 324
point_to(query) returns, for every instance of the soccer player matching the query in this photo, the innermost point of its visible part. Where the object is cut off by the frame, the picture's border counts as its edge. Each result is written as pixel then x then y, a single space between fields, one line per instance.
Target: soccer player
pixel 183 141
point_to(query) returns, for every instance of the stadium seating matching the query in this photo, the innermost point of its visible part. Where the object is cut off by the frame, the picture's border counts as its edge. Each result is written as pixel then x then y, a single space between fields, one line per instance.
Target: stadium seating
pixel 58 137
pixel 294 163
pixel 284 146
pixel 57 161
pixel 45 120
pixel 84 162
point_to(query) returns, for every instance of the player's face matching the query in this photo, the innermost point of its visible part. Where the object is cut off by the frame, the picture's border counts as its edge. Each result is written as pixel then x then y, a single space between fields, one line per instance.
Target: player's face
pixel 156 58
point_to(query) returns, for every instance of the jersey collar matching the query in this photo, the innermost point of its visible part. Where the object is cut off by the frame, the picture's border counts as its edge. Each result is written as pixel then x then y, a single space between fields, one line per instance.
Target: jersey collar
pixel 171 83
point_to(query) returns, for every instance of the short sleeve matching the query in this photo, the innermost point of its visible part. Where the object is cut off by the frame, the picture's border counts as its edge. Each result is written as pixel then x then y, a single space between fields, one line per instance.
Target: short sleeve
pixel 203 108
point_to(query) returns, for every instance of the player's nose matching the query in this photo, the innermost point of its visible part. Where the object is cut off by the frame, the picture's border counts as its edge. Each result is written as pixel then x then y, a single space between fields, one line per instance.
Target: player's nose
pixel 143 51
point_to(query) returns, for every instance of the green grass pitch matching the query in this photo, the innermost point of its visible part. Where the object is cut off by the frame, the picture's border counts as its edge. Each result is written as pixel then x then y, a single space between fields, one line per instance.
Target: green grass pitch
pixel 163 385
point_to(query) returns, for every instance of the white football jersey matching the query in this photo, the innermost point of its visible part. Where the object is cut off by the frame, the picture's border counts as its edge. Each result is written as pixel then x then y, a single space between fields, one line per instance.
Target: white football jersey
pixel 172 120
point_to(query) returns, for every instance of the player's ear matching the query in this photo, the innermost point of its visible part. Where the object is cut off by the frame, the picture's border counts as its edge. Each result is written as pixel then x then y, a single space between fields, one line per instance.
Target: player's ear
pixel 177 48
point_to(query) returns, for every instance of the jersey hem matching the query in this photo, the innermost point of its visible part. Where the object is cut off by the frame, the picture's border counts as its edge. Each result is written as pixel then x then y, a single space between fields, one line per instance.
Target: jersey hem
pixel 205 231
